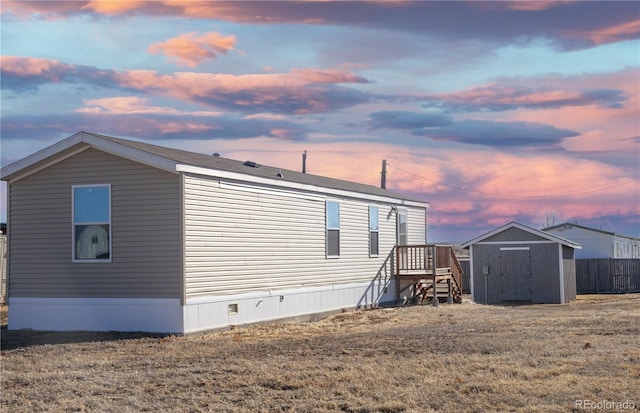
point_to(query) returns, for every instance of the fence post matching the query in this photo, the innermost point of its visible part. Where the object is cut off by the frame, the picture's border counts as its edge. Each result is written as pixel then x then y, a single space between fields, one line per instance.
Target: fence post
pixel 394 268
pixel 435 286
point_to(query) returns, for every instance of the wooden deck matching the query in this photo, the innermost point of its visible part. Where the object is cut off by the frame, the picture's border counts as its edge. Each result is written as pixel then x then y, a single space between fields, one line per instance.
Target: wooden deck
pixel 432 270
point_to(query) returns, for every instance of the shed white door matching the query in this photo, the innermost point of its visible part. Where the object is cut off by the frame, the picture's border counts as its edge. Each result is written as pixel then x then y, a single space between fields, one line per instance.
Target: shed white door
pixel 515 274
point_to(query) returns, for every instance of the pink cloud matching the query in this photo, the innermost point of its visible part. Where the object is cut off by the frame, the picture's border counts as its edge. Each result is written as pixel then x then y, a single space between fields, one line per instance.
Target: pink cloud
pixel 110 7
pixel 580 24
pixel 226 10
pixel 48 9
pixel 624 31
pixel 537 5
pixel 49 69
pixel 297 91
pixel 601 127
pixel 327 76
pixel 527 94
pixel 167 127
pixel 129 105
pixel 191 49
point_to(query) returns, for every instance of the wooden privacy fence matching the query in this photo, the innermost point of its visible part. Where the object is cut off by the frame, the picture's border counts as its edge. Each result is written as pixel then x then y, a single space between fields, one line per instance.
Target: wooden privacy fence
pixel 607 275
pixel 465 264
pixel 3 269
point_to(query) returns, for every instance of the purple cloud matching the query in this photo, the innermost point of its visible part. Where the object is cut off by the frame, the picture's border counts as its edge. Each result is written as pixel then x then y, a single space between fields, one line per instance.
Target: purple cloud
pixel 148 126
pixel 567 25
pixel 406 120
pixel 300 91
pixel 498 134
pixel 499 98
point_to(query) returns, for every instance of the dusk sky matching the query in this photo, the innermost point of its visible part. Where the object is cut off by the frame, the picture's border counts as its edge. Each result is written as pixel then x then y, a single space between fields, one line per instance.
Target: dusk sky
pixel 491 112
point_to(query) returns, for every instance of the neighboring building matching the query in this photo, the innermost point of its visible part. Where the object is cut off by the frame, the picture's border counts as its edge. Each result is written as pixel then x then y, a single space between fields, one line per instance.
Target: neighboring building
pixel 3 269
pixel 515 263
pixel 597 243
pixel 112 234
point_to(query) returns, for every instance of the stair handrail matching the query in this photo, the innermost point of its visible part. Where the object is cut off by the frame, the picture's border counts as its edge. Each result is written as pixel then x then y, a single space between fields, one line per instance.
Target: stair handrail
pixel 457 269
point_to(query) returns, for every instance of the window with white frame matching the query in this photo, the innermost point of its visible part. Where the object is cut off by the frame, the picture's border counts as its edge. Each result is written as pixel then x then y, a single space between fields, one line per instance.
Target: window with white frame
pixel 333 229
pixel 91 223
pixel 373 231
pixel 401 227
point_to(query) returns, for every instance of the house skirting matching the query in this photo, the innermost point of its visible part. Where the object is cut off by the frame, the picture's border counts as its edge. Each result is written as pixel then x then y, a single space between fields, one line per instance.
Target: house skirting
pixel 206 313
pixel 160 315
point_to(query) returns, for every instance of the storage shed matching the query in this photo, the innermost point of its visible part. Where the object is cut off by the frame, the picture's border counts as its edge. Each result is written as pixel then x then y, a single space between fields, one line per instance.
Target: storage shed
pixel 113 234
pixel 518 264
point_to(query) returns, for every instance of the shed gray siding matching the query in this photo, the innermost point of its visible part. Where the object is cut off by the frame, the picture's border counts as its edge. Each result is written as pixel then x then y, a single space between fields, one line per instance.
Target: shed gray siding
pixel 569 269
pixel 513 234
pixel 145 219
pixel 243 238
pixel 3 269
pixel 545 269
pixel 545 276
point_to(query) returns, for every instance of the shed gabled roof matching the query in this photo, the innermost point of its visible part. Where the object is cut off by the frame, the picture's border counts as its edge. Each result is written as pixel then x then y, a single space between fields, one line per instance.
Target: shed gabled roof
pixel 176 161
pixel 537 232
pixel 568 225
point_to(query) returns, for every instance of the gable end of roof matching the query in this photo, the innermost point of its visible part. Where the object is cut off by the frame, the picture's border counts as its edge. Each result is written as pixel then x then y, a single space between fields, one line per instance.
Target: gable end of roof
pixel 513 224
pixel 74 144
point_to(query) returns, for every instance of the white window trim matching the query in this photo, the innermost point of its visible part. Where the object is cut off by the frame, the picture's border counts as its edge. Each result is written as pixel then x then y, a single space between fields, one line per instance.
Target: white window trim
pixel 402 211
pixel 377 231
pixel 73 226
pixel 327 228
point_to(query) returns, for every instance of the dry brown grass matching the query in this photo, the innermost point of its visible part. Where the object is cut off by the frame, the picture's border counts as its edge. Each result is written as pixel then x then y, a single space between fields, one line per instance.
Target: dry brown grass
pixel 466 357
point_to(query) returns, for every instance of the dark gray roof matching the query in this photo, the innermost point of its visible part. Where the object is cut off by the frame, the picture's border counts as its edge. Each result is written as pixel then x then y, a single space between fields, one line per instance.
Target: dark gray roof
pixel 265 171
pixel 571 224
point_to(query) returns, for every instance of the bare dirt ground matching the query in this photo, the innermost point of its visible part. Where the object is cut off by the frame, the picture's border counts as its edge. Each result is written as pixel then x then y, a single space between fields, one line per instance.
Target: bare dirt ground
pixel 454 358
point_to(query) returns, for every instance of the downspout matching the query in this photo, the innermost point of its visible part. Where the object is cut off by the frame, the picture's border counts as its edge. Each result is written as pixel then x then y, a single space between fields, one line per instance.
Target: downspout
pixel 7 261
pixel 561 272
pixel 471 286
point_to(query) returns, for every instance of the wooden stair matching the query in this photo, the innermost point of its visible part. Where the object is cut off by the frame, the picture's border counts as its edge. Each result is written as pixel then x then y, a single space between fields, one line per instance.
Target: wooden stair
pixel 423 290
pixel 426 266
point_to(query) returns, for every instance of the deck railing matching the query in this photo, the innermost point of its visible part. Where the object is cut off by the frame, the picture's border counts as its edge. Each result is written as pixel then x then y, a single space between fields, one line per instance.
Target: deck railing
pixel 427 259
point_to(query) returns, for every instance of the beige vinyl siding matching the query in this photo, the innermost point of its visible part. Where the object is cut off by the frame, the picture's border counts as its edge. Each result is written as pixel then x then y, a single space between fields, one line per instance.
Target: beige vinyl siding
pixel 416 224
pixel 246 239
pixel 145 229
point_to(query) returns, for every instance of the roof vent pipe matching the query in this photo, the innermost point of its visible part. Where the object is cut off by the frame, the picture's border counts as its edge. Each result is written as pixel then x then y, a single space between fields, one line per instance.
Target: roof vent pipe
pixel 304 162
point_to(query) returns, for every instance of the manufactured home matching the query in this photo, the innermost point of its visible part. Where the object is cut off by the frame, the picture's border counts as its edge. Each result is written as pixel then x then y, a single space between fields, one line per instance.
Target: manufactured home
pixel 597 243
pixel 113 234
pixel 518 264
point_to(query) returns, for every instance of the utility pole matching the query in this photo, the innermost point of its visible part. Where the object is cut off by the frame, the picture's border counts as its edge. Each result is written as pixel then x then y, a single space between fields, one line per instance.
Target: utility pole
pixel 304 162
pixel 383 175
